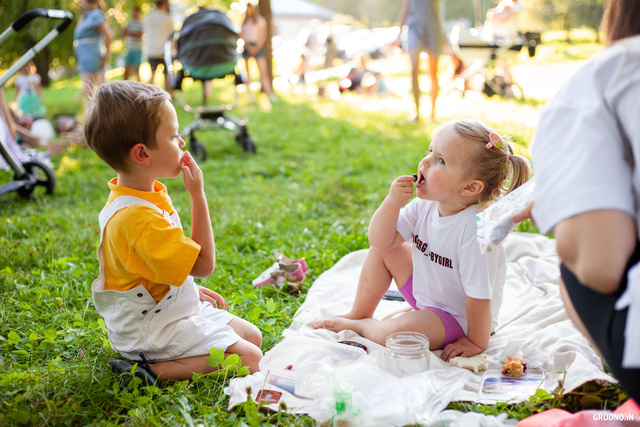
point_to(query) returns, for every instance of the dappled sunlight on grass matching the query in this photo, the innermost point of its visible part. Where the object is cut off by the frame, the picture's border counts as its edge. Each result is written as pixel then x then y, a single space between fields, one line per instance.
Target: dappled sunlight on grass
pixel 66 165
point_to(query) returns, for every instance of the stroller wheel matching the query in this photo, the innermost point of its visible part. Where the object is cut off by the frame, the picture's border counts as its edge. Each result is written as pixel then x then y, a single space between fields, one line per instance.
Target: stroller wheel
pixel 247 144
pixel 197 149
pixel 37 174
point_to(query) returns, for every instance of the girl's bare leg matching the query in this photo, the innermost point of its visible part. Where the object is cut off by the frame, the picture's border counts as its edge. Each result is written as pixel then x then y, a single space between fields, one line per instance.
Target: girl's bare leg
pixel 424 321
pixel 377 271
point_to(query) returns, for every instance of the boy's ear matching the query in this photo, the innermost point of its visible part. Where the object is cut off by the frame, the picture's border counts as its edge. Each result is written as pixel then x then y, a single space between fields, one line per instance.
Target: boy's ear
pixel 140 154
pixel 473 188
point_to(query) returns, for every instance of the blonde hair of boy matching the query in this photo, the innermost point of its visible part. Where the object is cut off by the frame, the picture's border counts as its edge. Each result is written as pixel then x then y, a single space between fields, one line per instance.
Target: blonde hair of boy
pixel 121 114
pixel 497 167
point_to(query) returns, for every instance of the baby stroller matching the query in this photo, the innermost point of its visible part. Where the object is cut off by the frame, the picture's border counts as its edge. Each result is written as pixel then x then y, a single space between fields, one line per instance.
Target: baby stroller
pixel 205 49
pixel 480 55
pixel 33 173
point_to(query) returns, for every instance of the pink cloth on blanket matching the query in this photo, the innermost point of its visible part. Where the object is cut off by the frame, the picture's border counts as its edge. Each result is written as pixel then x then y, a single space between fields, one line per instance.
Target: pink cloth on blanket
pixel 628 414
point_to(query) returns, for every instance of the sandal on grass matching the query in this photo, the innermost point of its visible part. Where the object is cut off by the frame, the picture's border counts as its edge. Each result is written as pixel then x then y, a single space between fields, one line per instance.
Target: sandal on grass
pixel 278 274
pixel 282 259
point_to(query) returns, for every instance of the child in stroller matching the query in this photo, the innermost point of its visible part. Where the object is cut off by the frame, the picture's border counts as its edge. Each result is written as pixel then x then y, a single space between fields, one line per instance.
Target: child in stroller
pixel 206 49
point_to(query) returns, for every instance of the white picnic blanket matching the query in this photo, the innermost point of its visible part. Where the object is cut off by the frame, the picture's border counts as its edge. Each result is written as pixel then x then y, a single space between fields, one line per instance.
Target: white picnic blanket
pixel 333 387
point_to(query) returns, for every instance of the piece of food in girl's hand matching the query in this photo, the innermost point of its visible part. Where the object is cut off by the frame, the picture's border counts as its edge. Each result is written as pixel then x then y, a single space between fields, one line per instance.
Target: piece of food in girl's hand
pixel 415 176
pixel 473 363
pixel 514 367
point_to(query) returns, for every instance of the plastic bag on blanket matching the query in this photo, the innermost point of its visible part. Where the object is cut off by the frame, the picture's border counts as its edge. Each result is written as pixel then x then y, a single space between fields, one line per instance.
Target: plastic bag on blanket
pixel 362 394
pixel 293 358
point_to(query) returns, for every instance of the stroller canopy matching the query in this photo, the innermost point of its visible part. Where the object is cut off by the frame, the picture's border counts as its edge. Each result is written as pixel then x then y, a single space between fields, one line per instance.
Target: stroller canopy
pixel 207 45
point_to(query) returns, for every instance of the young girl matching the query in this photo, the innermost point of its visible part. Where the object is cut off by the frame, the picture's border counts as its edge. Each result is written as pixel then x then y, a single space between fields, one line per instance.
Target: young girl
pixel 429 246
pixel 28 92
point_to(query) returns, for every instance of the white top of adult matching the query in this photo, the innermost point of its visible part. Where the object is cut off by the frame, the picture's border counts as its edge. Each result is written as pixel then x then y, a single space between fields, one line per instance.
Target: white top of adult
pixel 158 25
pixel 585 148
pixel 447 263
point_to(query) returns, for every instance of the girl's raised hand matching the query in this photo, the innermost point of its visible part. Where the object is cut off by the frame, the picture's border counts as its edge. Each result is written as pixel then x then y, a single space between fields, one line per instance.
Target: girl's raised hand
pixel 401 190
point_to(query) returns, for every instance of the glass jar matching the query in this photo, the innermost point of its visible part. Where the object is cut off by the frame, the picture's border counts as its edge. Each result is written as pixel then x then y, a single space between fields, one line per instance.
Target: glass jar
pixel 407 353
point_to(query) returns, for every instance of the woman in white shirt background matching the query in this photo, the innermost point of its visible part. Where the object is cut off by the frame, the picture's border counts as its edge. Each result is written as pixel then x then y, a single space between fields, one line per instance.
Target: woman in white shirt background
pixel 585 153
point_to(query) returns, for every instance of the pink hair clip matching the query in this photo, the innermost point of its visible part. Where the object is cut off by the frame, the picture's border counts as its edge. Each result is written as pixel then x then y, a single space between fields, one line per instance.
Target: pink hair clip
pixel 494 141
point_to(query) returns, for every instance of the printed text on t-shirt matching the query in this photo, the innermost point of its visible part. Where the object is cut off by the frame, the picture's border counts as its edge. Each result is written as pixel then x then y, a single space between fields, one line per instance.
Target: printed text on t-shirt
pixel 434 257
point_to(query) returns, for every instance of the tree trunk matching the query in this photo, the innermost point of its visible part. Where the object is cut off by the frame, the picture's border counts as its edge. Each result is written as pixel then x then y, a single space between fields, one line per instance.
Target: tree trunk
pixel 42 66
pixel 567 27
pixel 265 10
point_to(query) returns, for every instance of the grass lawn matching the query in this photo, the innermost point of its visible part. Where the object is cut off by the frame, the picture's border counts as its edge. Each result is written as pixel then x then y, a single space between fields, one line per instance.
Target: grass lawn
pixel 321 170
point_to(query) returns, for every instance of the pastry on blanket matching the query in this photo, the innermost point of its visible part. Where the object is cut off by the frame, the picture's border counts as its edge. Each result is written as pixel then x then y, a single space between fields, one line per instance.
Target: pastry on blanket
pixel 514 367
pixel 473 363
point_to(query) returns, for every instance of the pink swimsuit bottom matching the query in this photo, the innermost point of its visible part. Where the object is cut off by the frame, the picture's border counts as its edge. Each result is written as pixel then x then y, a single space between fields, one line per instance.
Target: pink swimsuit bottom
pixel 452 329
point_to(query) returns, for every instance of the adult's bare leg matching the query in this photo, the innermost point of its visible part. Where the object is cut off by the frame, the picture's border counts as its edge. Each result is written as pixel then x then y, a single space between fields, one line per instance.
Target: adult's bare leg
pixel 433 74
pixel 414 56
pixel 264 76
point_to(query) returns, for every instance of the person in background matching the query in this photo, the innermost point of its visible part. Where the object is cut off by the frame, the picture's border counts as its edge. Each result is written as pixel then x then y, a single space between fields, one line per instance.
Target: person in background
pixel 254 35
pixel 502 28
pixel 132 34
pixel 158 26
pixel 10 130
pixel 92 43
pixel 425 22
pixel 354 79
pixel 28 93
pixel 586 152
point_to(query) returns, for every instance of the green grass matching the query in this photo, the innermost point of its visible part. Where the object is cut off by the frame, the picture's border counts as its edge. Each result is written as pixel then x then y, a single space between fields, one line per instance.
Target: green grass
pixel 321 170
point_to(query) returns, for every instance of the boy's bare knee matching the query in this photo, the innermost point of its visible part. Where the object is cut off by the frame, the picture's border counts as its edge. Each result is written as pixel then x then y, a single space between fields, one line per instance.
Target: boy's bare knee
pixel 254 336
pixel 252 359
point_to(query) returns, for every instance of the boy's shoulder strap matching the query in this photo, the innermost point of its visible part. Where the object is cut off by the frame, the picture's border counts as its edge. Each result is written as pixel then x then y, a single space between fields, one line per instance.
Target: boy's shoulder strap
pixel 122 202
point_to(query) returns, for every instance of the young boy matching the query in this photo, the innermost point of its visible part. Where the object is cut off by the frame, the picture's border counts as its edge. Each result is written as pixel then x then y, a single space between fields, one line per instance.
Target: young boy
pixel 146 292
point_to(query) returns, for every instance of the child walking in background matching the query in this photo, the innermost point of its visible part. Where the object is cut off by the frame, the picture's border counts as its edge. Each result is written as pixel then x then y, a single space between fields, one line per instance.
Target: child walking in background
pixel 28 92
pixel 146 293
pixel 429 246
pixel 132 34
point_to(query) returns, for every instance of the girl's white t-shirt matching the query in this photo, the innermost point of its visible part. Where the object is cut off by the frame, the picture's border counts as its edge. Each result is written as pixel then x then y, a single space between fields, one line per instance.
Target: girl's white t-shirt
pixel 447 263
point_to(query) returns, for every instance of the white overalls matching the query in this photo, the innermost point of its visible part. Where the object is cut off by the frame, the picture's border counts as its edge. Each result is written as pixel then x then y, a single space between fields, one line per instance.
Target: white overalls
pixel 178 326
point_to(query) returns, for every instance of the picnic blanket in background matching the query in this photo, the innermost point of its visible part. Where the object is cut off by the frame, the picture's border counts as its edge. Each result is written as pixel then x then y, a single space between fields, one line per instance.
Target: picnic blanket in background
pixel 333 382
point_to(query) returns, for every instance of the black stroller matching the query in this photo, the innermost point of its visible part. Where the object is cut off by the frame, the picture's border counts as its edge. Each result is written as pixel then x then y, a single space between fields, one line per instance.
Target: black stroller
pixel 206 49
pixel 29 174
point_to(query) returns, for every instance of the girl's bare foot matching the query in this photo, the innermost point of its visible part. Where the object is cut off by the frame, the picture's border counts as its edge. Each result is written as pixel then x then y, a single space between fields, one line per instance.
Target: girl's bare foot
pixel 335 324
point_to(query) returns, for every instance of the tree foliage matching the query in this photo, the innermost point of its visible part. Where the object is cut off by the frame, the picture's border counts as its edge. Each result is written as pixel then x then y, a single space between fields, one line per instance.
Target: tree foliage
pixel 538 14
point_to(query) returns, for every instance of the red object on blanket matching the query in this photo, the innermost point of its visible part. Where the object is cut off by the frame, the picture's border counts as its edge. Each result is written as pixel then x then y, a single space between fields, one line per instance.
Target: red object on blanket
pixel 628 414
